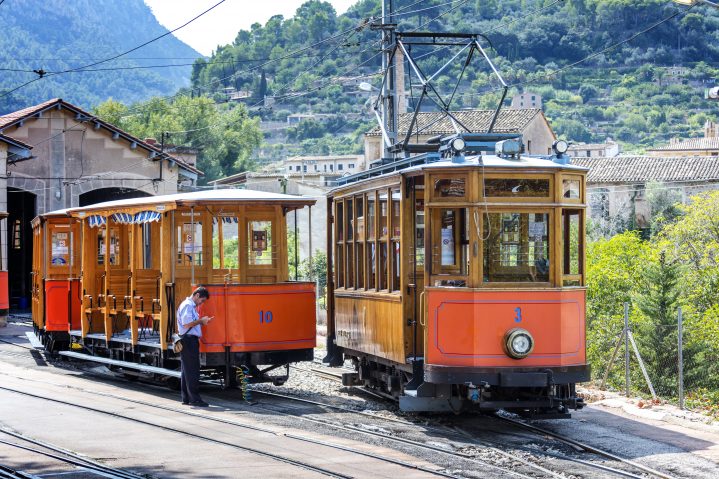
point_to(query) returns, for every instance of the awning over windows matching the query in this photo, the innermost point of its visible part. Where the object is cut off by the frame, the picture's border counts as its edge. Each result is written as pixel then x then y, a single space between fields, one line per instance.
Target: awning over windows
pixel 125 218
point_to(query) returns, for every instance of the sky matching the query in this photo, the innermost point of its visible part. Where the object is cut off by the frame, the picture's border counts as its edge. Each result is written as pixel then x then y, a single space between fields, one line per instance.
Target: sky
pixel 220 26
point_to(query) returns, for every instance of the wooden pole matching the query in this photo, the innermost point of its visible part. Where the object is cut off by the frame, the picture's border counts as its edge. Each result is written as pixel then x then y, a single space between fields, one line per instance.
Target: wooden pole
pixel 626 348
pixel 680 327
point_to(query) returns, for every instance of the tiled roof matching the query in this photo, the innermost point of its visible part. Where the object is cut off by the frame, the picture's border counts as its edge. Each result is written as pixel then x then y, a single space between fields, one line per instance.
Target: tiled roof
pixel 627 169
pixel 692 144
pixel 13 141
pixel 590 146
pixel 511 120
pixel 10 118
pixel 20 115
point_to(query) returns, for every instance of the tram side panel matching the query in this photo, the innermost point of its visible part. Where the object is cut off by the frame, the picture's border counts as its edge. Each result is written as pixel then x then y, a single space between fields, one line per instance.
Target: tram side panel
pixel 260 317
pixel 370 326
pixel 555 319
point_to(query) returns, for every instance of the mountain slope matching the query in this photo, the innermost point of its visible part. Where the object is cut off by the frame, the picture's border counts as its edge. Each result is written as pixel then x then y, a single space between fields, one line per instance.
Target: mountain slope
pixel 623 89
pixel 56 35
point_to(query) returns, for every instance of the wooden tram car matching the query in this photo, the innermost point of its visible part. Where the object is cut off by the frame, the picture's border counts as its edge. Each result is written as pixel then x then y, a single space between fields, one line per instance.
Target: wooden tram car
pixel 108 279
pixel 457 278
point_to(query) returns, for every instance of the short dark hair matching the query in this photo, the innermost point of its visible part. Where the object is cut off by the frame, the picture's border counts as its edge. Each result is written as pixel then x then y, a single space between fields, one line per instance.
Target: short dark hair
pixel 202 292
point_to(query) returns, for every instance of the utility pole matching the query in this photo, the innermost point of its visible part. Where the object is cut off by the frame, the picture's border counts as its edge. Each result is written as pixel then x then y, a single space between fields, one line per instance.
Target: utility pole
pixel 389 93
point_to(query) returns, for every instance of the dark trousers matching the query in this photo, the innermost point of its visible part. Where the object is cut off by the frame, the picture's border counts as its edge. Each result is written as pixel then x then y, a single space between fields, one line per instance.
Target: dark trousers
pixel 190 377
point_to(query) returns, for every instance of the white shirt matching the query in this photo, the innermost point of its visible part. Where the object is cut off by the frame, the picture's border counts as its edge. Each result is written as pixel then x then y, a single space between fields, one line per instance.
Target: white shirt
pixel 187 313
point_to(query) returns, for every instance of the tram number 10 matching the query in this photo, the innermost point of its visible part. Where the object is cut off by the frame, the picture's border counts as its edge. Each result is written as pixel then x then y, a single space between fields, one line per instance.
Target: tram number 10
pixel 265 317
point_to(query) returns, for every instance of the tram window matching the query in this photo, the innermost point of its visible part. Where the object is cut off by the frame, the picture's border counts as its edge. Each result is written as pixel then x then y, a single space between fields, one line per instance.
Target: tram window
pixel 396 266
pixel 350 266
pixel 340 221
pixel 516 187
pixel 190 244
pixel 371 214
pixel 419 233
pixel 383 215
pixel 371 266
pixel 114 253
pixel 147 245
pixel 517 247
pixel 571 233
pixel 225 240
pixel 360 265
pixel 395 214
pixel 359 218
pixel 570 189
pixel 451 257
pixel 101 246
pixel 340 267
pixel 450 187
pixel 383 265
pixel 260 243
pixel 61 244
pixel 350 223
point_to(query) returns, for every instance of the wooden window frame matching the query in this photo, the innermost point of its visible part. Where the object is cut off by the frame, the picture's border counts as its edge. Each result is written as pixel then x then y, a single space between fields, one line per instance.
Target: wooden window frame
pixel 560 191
pixel 434 197
pixel 550 198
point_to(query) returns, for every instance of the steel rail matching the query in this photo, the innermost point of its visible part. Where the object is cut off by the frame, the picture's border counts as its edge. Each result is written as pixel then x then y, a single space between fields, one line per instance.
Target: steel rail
pixel 477 443
pixel 74 459
pixel 247 426
pixel 355 429
pixel 344 427
pixel 585 447
pixel 277 457
pixel 331 376
pixel 602 467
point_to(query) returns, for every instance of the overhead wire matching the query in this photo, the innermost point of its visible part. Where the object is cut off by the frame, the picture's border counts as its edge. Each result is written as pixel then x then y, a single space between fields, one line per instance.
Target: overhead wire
pixel 678 13
pixel 170 32
pixel 42 74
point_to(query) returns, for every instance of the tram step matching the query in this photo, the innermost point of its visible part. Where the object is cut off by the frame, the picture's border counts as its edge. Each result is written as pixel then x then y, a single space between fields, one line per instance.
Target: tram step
pixel 34 341
pixel 114 362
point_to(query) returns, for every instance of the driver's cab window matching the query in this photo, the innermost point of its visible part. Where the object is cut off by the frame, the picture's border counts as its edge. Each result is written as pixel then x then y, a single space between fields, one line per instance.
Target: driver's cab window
pixel 189 241
pixel 260 243
pixel 225 245
pixel 61 247
pixel 516 248
pixel 450 247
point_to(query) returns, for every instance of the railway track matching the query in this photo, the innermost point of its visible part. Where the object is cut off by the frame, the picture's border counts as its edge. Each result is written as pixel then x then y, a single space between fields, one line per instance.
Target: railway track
pixel 277 457
pixel 347 428
pixel 579 446
pixel 236 424
pixel 467 437
pixel 65 456
pixel 586 447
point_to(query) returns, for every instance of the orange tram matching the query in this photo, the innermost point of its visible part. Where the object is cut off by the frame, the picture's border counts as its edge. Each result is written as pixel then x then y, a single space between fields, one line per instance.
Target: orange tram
pixel 108 278
pixel 456 278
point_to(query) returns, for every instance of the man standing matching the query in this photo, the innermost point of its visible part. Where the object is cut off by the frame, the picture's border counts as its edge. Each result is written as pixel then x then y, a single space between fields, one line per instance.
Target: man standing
pixel 188 324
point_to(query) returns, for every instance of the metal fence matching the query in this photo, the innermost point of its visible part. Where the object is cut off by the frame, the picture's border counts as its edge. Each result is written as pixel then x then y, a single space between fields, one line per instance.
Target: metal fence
pixel 658 361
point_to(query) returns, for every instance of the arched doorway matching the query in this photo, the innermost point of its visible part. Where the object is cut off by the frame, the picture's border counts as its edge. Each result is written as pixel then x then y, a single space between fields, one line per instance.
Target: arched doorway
pixel 101 195
pixel 21 210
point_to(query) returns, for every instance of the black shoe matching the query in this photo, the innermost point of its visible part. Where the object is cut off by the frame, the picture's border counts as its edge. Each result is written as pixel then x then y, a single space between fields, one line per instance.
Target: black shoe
pixel 185 403
pixel 199 404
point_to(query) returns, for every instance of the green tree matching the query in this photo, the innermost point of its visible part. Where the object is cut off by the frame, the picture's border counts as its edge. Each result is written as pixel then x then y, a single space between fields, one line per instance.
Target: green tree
pixel 658 302
pixel 663 204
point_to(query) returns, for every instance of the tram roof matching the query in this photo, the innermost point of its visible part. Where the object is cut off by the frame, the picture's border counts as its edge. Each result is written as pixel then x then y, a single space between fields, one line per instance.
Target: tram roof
pixel 494 161
pixel 434 161
pixel 200 197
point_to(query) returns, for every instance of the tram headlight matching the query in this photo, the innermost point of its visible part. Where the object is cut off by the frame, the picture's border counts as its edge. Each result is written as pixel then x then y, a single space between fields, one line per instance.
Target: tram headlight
pixel 458 145
pixel 518 343
pixel 560 147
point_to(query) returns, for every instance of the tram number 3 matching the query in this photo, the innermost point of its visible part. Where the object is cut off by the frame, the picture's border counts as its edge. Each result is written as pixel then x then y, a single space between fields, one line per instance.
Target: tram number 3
pixel 518 315
pixel 265 317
